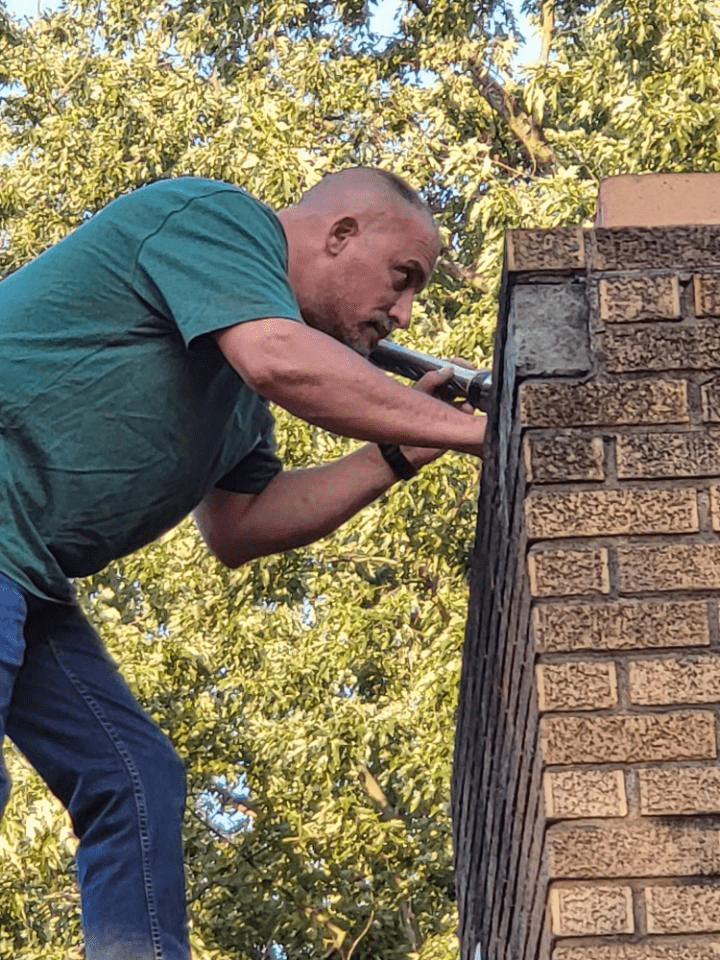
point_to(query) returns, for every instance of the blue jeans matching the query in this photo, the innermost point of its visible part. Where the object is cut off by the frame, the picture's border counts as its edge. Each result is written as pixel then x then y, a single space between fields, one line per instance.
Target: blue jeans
pixel 65 706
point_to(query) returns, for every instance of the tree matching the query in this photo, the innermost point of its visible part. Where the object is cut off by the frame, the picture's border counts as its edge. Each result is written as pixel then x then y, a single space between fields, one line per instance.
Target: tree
pixel 312 694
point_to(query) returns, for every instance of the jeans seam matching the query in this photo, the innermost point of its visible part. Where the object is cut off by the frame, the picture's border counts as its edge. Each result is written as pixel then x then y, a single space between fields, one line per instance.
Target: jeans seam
pixel 138 793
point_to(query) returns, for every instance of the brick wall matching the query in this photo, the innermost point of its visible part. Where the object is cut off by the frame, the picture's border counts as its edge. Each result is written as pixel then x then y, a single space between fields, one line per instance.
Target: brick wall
pixel 587 783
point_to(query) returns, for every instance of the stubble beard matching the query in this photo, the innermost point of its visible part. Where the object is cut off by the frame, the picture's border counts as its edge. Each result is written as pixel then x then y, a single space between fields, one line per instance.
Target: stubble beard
pixel 353 339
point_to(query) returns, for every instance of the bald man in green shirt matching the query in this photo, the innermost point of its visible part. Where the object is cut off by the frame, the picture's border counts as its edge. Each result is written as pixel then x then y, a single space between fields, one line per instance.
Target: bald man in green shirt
pixel 137 360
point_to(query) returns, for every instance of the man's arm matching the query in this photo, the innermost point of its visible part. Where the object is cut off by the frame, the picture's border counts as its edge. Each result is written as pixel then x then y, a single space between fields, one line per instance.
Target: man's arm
pixel 300 506
pixel 297 507
pixel 327 384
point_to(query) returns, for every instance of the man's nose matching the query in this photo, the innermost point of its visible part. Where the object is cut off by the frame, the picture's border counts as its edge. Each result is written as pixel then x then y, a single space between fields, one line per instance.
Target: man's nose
pixel 400 313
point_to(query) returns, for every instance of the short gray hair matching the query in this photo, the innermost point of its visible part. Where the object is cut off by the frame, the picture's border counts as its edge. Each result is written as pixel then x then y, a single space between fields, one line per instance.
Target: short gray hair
pixel 401 188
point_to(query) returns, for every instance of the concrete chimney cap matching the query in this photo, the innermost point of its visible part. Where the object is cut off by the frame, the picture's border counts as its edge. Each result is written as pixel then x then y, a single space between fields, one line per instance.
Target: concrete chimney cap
pixel 658 200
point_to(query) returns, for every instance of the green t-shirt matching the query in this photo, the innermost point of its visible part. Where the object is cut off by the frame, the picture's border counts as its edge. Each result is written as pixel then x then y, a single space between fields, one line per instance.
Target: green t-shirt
pixel 118 412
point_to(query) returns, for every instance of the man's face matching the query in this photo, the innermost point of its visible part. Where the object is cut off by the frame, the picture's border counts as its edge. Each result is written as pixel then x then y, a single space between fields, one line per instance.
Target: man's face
pixel 368 287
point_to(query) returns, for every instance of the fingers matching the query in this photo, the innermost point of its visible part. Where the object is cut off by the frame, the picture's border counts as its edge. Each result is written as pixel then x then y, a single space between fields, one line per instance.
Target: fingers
pixel 429 382
pixel 461 362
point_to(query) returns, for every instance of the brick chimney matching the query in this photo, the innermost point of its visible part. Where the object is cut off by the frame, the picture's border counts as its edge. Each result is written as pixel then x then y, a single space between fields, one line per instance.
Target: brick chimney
pixel 587 785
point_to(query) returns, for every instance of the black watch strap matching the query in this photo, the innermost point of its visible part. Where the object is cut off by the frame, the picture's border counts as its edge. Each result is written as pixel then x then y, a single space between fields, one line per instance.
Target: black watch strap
pixel 394 457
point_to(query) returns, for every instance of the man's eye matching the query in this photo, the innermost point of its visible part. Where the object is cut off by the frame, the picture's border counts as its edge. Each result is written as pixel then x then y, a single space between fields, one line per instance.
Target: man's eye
pixel 403 280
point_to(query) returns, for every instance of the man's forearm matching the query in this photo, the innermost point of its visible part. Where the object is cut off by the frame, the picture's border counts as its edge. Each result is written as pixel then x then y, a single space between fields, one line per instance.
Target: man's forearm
pixel 326 384
pixel 296 508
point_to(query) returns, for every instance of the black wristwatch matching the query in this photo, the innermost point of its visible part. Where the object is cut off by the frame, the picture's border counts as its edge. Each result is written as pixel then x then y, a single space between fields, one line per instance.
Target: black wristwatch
pixel 395 458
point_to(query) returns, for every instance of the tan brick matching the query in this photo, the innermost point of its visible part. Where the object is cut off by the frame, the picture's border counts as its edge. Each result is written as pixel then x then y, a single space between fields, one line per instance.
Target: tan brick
pixel 695 949
pixel 562 248
pixel 625 625
pixel 668 454
pixel 691 908
pixel 585 793
pixel 679 790
pixel 685 679
pixel 568 572
pixel 583 685
pixel 588 513
pixel 559 459
pixel 630 298
pixel 677 566
pixel 710 397
pixel 663 346
pixel 586 911
pixel 633 848
pixel 557 404
pixel 715 506
pixel 706 287
pixel 669 248
pixel 684 735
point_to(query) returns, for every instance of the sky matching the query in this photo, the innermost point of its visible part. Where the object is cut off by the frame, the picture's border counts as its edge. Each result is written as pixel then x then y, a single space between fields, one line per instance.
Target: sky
pixel 383 14
pixel 26 8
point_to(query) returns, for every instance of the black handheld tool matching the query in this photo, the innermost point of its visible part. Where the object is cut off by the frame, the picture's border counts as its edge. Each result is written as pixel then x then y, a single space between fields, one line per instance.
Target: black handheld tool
pixel 471 385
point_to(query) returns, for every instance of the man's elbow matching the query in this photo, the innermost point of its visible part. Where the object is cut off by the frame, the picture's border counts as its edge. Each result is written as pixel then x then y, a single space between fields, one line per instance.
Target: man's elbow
pixel 227 554
pixel 263 352
pixel 224 548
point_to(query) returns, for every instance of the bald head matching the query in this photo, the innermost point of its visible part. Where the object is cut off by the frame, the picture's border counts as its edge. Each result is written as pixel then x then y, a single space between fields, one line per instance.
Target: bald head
pixel 361 245
pixel 370 182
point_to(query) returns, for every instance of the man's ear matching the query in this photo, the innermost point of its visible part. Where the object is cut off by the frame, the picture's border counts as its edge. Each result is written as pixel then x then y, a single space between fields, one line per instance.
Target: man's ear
pixel 340 232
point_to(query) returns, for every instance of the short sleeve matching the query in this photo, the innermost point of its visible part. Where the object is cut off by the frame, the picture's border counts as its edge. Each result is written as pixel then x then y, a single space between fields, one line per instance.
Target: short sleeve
pixel 255 471
pixel 219 259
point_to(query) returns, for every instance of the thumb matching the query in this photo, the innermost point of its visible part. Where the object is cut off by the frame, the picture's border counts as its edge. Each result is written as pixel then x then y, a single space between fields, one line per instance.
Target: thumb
pixel 430 381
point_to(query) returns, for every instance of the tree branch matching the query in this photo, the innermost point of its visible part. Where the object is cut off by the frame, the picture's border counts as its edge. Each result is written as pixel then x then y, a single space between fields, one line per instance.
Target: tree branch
pixel 360 936
pixel 547 29
pixel 523 127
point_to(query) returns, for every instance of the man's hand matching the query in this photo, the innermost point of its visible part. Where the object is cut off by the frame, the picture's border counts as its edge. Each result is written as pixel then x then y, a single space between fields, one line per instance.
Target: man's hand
pixel 430 383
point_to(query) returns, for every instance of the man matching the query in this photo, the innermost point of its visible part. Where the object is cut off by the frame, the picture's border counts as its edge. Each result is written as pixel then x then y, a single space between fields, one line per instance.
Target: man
pixel 137 357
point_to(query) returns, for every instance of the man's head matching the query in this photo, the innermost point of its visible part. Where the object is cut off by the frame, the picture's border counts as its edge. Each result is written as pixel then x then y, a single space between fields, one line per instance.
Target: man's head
pixel 362 244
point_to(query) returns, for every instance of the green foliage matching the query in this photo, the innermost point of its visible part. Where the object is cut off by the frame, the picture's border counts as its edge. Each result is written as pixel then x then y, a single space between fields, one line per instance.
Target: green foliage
pixel 312 694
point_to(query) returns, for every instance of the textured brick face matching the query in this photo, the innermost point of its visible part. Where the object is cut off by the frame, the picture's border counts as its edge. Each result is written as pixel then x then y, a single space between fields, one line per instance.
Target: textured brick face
pixel 557 404
pixel 677 566
pixel 634 849
pixel 668 454
pixel 715 506
pixel 628 739
pixel 707 294
pixel 570 794
pixel 582 685
pixel 663 347
pixel 687 949
pixel 582 911
pixel 620 626
pixel 630 298
pixel 558 572
pixel 562 249
pixel 675 680
pixel 687 909
pixel 637 248
pixel 710 398
pixel 609 512
pixel 679 790
pixel 557 459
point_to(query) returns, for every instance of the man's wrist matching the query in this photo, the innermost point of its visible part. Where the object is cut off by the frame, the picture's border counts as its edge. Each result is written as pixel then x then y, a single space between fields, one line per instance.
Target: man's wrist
pixel 397 461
